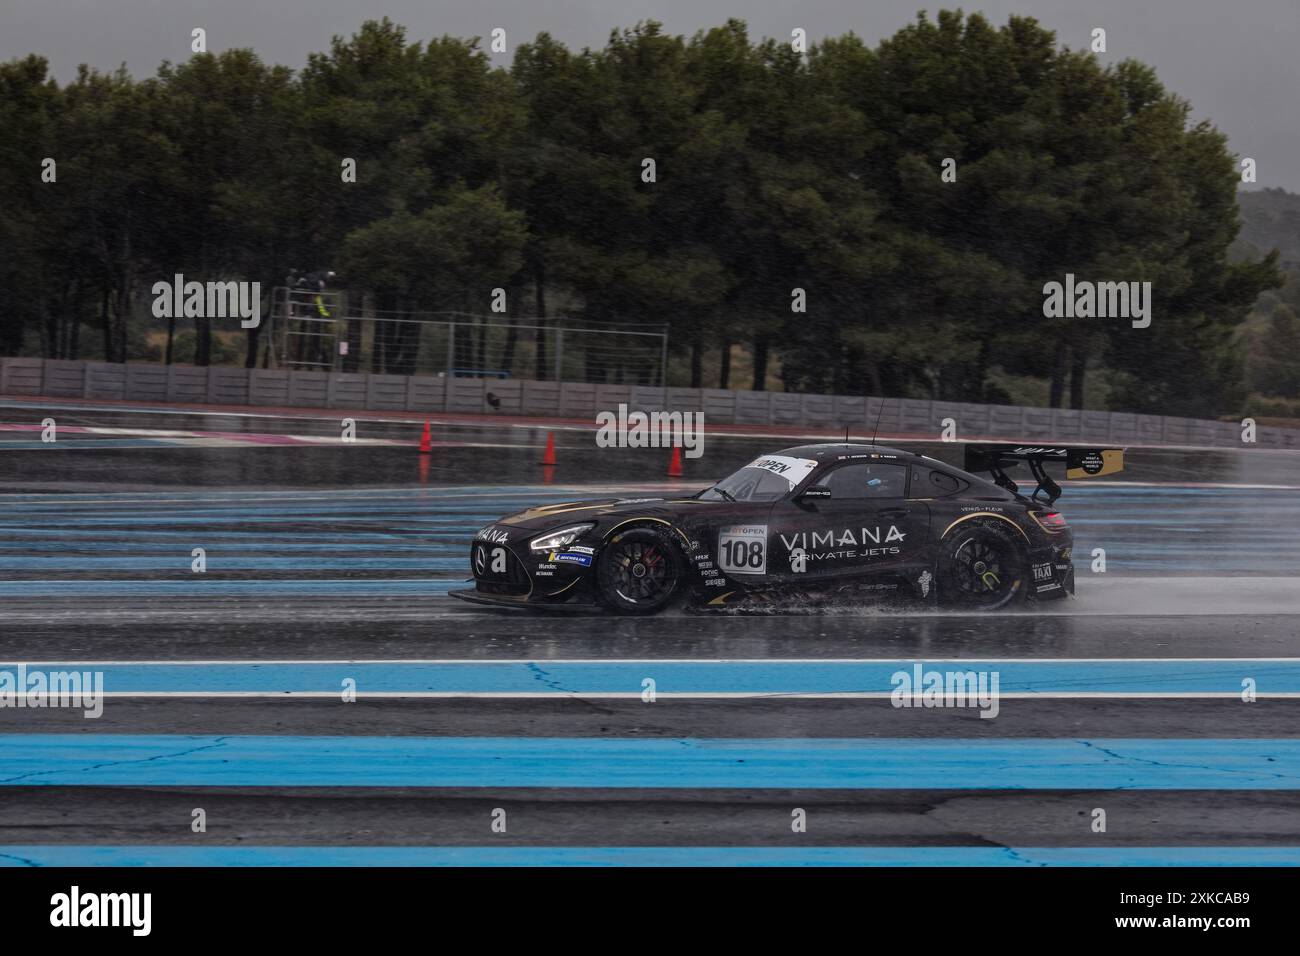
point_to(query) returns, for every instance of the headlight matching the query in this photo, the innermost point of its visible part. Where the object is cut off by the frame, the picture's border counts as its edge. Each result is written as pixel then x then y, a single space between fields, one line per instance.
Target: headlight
pixel 554 540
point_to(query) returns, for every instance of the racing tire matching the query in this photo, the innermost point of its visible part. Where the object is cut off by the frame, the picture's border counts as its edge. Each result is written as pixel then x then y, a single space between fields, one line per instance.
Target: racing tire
pixel 640 571
pixel 982 566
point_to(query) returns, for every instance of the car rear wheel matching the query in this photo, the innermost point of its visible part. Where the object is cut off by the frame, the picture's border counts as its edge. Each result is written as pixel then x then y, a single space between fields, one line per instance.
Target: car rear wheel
pixel 982 567
pixel 640 571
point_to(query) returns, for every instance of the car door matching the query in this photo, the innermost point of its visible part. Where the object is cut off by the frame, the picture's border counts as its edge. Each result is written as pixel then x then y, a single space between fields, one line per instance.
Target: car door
pixel 739 543
pixel 740 529
pixel 867 524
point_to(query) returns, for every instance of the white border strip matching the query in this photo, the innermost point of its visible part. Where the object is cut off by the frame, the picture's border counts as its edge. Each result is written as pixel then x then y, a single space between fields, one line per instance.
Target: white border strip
pixel 675 660
pixel 690 695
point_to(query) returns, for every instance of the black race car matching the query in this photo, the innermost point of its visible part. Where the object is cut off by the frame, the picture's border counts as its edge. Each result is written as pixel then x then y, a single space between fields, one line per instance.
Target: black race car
pixel 831 521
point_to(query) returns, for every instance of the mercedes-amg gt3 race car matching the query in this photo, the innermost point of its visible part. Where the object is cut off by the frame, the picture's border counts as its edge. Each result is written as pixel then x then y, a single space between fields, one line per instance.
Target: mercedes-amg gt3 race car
pixel 828 522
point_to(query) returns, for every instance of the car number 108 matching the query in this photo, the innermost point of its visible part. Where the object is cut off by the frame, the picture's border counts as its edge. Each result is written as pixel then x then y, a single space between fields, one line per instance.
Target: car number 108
pixel 743 549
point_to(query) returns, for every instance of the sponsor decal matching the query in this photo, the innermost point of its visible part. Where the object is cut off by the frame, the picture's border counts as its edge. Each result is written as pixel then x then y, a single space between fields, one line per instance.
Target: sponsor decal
pixel 923 582
pixel 493 535
pixel 850 554
pixel 1042 572
pixel 838 539
pixel 581 550
pixel 1091 462
pixel 793 470
pixel 583 559
pixel 798 560
pixel 742 549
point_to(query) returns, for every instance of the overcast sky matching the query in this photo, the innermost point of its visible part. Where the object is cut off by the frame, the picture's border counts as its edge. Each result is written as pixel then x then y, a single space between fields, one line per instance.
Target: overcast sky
pixel 1237 61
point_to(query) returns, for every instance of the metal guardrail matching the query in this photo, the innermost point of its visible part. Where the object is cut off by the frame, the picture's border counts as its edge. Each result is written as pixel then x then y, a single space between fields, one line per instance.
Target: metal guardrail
pixel 311 330
pixel 817 414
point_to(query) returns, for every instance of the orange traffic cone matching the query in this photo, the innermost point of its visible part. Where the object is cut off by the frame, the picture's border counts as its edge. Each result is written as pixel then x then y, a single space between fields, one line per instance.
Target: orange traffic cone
pixel 675 463
pixel 426 444
pixel 549 457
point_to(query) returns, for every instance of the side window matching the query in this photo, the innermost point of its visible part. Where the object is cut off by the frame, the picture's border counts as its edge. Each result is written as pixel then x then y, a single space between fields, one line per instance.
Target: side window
pixel 928 483
pixel 874 480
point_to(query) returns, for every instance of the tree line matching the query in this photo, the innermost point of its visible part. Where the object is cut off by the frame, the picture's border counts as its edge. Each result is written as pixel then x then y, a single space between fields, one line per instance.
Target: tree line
pixel 780 179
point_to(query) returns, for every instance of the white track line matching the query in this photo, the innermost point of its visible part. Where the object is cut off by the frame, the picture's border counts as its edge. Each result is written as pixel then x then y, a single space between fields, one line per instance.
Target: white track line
pixel 695 695
pixel 682 660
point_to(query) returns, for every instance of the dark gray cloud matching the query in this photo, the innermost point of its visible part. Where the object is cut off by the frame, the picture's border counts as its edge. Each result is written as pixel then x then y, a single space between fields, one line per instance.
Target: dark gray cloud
pixel 1234 61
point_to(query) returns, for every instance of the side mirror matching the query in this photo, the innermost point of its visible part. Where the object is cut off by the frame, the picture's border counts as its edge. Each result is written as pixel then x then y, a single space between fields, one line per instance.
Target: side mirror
pixel 813 492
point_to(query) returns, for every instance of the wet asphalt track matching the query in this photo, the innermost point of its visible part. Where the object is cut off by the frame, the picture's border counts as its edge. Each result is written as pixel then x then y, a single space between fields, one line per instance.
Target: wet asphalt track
pixel 328 562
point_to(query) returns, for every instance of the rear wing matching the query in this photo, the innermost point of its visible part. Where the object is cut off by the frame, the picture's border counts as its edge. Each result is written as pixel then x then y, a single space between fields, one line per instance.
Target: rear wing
pixel 1080 462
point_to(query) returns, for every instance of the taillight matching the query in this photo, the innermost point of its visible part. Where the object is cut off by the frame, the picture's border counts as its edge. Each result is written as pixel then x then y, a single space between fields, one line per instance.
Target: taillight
pixel 1051 521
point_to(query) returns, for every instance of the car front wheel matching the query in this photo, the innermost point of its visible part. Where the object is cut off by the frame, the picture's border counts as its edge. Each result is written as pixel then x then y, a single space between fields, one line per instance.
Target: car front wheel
pixel 640 571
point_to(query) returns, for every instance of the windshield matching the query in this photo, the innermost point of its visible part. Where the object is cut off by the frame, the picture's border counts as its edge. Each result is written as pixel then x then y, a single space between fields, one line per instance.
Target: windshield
pixel 765 479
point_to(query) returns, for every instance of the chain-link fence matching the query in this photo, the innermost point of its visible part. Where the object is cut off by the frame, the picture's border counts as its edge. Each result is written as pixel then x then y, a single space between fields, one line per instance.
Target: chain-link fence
pixel 312 330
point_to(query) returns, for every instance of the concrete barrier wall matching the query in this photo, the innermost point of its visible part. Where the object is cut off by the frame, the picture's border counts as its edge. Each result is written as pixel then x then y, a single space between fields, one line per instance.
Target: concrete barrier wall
pixel 818 411
pixel 278 388
pixel 849 410
pixel 577 400
pixel 752 408
pixel 345 390
pixel 509 395
pixel 386 392
pixel 105 380
pixel 541 398
pixel 267 387
pixel 642 398
pixel 311 390
pixel 609 397
pixel 146 383
pixel 685 400
pixel 719 406
pixel 425 393
pixel 883 416
pixel 468 395
pixel 21 376
pixel 187 384
pixel 228 386
pixel 65 378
